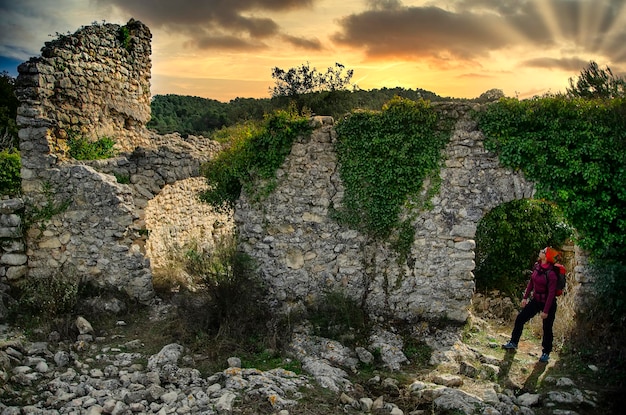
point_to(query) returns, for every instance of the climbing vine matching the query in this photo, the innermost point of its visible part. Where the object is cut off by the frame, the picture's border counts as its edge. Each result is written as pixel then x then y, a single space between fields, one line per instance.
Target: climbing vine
pixel 575 150
pixel 384 157
pixel 252 158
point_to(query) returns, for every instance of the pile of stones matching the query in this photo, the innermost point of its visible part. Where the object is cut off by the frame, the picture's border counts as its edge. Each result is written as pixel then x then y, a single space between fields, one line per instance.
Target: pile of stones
pixel 91 376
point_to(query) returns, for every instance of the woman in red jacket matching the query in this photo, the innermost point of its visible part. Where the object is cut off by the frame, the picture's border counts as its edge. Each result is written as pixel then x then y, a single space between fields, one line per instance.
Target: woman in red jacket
pixel 542 286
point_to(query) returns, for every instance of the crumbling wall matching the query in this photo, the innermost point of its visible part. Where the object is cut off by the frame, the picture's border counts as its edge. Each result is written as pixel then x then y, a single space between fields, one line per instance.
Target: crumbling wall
pixel 87 217
pixel 303 251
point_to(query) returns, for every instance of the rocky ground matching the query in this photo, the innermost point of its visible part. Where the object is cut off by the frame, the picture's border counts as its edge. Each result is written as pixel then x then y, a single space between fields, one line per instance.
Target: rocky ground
pixel 113 370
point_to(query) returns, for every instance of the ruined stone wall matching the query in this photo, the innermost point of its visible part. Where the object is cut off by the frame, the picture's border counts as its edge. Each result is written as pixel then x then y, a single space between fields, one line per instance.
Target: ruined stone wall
pixel 95 217
pixel 303 252
pixel 88 218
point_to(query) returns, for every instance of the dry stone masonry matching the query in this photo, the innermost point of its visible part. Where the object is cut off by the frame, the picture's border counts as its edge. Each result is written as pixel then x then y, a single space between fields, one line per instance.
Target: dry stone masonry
pixel 94 83
pixel 95 216
pixel 303 252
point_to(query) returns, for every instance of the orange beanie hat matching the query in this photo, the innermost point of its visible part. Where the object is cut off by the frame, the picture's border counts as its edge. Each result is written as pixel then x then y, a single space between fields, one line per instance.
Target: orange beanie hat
pixel 551 254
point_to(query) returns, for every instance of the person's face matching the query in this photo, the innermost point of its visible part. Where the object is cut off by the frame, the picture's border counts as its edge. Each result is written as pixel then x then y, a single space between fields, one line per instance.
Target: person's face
pixel 542 254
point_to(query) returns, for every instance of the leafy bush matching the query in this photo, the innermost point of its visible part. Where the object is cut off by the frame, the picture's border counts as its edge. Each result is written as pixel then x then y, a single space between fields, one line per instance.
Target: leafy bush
pixel 337 316
pixel 254 155
pixel 10 175
pixel 235 295
pixel 81 148
pixel 508 239
pixel 575 150
pixel 384 158
pixel 49 297
pixel 594 82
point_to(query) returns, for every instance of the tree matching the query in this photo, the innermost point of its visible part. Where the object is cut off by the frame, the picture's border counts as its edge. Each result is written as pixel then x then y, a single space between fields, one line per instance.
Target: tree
pixel 594 82
pixel 8 112
pixel 304 80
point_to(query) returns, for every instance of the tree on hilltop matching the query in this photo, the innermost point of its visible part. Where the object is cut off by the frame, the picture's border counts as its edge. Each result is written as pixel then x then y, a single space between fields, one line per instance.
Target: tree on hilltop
pixel 305 80
pixel 595 82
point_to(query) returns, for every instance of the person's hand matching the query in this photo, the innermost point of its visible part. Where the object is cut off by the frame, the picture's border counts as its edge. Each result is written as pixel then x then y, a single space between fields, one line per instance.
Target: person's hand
pixel 544 315
pixel 524 302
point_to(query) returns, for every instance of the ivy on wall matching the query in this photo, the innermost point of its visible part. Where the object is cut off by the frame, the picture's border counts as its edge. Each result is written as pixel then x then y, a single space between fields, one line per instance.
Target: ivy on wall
pixel 252 157
pixel 575 150
pixel 384 158
pixel 508 239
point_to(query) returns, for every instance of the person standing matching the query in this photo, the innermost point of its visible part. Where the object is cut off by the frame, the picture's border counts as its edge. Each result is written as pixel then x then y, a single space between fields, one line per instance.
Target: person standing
pixel 542 286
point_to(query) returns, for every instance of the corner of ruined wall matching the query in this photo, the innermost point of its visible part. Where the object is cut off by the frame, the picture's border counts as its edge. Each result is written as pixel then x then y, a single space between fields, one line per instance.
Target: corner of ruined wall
pixel 303 252
pixel 94 83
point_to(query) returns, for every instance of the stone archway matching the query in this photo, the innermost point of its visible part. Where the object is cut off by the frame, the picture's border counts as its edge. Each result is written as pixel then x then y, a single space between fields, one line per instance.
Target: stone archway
pixel 303 252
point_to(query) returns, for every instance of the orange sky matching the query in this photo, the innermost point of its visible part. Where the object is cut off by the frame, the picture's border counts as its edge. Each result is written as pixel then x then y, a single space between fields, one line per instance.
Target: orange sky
pixel 223 49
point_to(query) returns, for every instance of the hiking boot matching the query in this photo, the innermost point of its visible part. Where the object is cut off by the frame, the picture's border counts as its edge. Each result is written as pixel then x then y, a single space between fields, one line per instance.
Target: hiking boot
pixel 544 358
pixel 510 346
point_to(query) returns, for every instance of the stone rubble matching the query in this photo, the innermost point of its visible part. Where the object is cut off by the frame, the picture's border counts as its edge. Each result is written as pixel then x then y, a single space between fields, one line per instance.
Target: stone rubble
pixel 92 377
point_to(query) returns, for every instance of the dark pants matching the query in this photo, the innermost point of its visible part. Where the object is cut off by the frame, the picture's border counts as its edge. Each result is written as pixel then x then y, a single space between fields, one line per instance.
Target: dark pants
pixel 532 309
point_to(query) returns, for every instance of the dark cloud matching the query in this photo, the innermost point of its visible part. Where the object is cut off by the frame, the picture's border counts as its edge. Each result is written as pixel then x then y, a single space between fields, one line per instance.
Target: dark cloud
pixel 471 29
pixel 299 42
pixel 421 32
pixel 224 42
pixel 214 16
pixel 566 64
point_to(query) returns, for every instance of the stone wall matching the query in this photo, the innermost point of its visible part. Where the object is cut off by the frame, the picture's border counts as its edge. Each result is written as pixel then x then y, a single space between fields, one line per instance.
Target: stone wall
pixel 304 252
pixel 95 217
pixel 89 217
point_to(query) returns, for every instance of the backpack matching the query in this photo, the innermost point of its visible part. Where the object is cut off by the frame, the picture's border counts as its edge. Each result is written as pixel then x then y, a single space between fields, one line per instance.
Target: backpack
pixel 560 278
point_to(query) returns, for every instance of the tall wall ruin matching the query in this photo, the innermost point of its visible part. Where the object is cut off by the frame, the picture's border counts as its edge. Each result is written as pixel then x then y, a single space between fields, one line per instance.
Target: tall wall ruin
pixel 303 252
pixel 95 83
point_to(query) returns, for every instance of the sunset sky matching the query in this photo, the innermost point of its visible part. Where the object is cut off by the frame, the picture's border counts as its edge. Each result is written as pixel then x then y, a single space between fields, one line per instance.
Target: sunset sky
pixel 223 49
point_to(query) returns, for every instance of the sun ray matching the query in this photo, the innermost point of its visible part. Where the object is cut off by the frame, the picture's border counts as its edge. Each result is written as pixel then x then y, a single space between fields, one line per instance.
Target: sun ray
pixel 549 17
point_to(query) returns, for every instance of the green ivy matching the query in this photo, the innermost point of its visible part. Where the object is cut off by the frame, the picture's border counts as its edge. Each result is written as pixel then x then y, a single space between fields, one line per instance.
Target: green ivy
pixel 251 160
pixel 81 148
pixel 384 157
pixel 575 150
pixel 123 35
pixel 10 177
pixel 508 239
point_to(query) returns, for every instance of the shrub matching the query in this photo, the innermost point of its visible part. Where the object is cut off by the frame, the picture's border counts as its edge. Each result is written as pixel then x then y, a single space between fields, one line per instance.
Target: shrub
pixel 340 317
pixel 508 239
pixel 10 176
pixel 81 148
pixel 50 297
pixel 384 158
pixel 253 157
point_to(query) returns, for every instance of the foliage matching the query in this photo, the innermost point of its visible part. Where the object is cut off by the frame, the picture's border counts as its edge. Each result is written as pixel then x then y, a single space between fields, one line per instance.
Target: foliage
pixel 81 148
pixel 122 178
pixel 202 116
pixel 337 316
pixel 187 115
pixel 304 80
pixel 10 176
pixel 226 274
pixel 383 159
pixel 49 297
pixel 41 213
pixel 123 36
pixel 575 150
pixel 508 239
pixel 596 83
pixel 254 155
pixel 8 112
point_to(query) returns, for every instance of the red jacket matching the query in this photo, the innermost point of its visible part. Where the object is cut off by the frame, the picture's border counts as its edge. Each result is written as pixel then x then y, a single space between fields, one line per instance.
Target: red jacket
pixel 542 288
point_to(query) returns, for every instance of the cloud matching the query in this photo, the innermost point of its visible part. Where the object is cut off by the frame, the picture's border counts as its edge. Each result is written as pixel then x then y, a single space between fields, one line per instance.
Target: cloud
pixel 224 42
pixel 216 17
pixel 468 30
pixel 310 44
pixel 421 32
pixel 566 64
